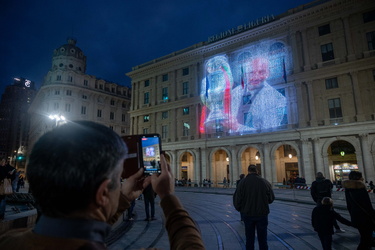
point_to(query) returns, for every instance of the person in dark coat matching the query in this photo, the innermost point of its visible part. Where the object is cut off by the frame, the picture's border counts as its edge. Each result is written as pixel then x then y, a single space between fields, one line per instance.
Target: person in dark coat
pixel 6 171
pixel 323 218
pixel 321 188
pixel 149 198
pixel 360 208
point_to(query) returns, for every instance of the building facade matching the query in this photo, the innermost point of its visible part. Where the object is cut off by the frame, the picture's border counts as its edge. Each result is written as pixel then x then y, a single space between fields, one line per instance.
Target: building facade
pixel 14 120
pixel 292 94
pixel 69 94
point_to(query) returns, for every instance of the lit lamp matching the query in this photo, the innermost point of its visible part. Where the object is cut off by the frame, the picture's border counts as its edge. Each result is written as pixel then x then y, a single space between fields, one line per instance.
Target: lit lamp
pixel 57 118
pixel 257 156
pixel 290 156
pixel 342 153
pixel 227 158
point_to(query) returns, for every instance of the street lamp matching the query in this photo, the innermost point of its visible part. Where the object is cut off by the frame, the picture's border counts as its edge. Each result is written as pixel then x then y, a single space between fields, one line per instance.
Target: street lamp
pixel 59 119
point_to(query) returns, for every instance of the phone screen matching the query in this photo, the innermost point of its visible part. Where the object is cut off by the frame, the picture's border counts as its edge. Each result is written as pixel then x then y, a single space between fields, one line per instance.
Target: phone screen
pixel 151 149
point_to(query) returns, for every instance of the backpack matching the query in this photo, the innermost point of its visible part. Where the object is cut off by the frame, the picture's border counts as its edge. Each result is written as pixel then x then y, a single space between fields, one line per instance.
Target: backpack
pixel 323 189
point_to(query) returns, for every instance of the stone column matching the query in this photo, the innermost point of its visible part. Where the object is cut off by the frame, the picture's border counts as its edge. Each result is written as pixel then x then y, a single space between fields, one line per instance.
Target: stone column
pixel 313 121
pixel 368 164
pixel 318 157
pixel 302 109
pixel 357 97
pixel 234 172
pixel 268 164
pixel 307 161
pixel 306 56
pixel 348 40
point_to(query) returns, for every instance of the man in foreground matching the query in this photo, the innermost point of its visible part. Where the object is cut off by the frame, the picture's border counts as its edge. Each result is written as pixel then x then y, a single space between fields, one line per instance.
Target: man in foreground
pixel 74 173
pixel 252 198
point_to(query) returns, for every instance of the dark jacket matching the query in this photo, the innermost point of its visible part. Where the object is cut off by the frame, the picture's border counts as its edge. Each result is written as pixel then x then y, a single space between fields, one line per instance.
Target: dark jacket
pixel 359 204
pixel 253 195
pixel 321 188
pixel 323 217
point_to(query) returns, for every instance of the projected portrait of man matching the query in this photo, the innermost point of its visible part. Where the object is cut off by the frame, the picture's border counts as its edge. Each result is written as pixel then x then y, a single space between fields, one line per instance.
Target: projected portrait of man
pixel 255 104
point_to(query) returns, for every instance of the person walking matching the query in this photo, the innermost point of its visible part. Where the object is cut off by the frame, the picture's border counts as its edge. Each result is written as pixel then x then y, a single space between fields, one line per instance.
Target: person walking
pixel 252 198
pixel 321 188
pixel 149 199
pixel 323 218
pixel 360 208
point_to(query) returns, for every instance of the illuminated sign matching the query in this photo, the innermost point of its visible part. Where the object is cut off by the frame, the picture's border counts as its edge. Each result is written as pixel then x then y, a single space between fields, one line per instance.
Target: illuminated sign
pixel 241 28
pixel 243 92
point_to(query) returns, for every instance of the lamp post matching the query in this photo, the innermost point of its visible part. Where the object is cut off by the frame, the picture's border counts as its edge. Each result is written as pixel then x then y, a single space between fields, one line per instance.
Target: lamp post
pixel 59 119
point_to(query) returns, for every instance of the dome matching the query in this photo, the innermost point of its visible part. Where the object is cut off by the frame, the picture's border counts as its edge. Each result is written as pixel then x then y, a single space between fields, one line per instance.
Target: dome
pixel 69 49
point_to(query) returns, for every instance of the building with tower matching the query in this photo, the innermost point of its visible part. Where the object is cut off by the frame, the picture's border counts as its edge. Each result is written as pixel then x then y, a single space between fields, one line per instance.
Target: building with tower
pixel 291 93
pixel 69 94
pixel 15 121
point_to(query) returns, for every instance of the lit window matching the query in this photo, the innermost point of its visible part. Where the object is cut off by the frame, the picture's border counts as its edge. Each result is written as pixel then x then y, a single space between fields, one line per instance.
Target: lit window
pixel 146 118
pixel 331 83
pixel 146 98
pixel 185 71
pixel 186 129
pixel 323 30
pixel 185 88
pixel 165 93
pixel 371 40
pixel 327 52
pixel 334 106
pixel 185 111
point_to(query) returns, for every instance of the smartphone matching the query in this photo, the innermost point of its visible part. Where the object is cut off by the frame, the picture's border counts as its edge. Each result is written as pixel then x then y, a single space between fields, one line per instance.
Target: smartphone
pixel 143 152
pixel 150 153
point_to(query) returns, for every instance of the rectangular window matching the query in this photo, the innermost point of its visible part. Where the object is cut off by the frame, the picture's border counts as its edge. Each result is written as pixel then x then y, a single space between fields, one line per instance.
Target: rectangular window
pixel 101 86
pixel 164 131
pixel 185 111
pixel 334 106
pixel 185 71
pixel 165 93
pixel 186 129
pixel 164 115
pixel 57 92
pixel 145 131
pixel 69 92
pixel 111 127
pixel 58 78
pixel 112 102
pixel 70 78
pixel 165 77
pixel 147 83
pixel 99 113
pixel 324 30
pixel 369 16
pixel 371 40
pixel 113 90
pixel 327 52
pixel 373 74
pixel 111 115
pixel 185 88
pixel 56 106
pixel 67 107
pixel 331 83
pixel 123 117
pixel 146 118
pixel 84 96
pixel 146 98
pixel 85 83
pixel 83 110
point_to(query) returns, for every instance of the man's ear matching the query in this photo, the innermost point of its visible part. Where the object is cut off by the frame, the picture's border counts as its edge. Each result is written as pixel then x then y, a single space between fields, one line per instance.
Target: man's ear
pixel 102 194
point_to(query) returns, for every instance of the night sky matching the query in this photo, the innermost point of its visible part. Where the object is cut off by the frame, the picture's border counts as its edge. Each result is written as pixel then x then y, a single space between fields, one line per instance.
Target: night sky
pixel 115 35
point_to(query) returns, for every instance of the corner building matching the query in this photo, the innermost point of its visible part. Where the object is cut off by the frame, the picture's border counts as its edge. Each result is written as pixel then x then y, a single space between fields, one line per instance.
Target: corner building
pixel 67 91
pixel 314 112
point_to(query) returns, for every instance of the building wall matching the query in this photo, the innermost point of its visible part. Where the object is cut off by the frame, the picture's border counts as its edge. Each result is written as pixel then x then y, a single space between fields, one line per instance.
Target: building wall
pixel 309 129
pixel 68 91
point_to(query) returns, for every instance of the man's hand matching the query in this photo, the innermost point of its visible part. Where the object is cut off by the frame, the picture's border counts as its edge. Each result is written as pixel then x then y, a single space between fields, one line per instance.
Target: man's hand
pixel 163 184
pixel 133 186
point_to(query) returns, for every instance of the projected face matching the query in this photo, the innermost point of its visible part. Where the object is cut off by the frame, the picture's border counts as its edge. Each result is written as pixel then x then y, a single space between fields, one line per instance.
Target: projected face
pixel 256 73
pixel 238 92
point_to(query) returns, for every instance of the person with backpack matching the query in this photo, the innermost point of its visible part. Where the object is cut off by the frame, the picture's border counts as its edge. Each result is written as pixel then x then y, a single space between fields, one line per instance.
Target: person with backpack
pixel 321 188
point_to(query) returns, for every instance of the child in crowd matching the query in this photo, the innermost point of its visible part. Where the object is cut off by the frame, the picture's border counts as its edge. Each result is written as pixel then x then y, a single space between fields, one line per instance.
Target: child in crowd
pixel 322 219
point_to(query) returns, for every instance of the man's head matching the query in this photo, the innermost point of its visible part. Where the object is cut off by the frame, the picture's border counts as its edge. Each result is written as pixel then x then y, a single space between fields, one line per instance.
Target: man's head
pixel 319 175
pixel 355 175
pixel 69 165
pixel 257 71
pixel 252 169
